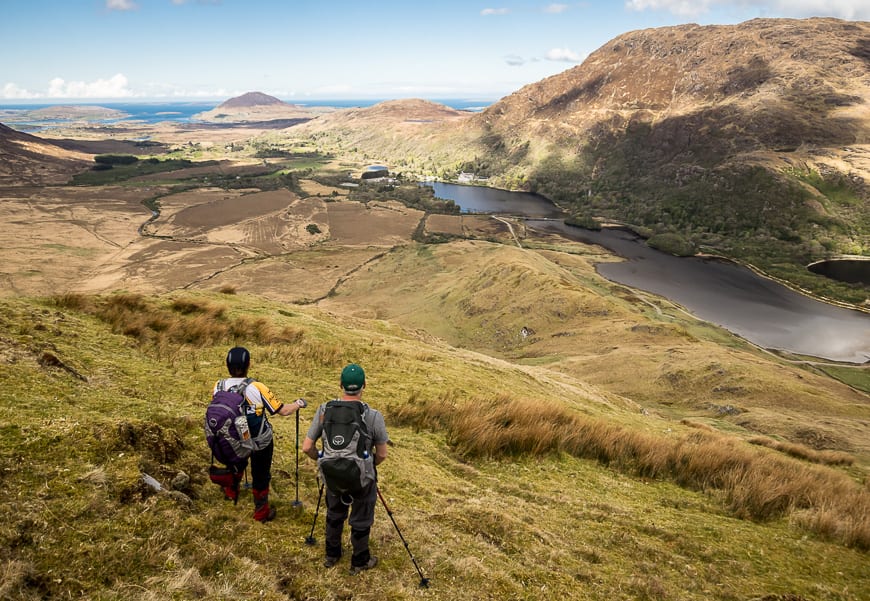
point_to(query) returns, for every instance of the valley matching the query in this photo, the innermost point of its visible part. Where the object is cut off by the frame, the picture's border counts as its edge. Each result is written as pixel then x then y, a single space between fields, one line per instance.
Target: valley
pixel 554 434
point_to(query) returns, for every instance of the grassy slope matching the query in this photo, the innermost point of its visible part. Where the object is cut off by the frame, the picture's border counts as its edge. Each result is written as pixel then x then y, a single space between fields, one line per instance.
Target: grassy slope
pixel 481 295
pixel 76 520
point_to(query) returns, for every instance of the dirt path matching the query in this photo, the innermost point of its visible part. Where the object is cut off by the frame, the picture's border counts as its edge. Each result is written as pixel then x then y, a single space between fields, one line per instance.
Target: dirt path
pixel 510 229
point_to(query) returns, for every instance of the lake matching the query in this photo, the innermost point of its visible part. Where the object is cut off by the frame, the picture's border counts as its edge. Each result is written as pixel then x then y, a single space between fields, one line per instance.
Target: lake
pixel 479 199
pixel 760 310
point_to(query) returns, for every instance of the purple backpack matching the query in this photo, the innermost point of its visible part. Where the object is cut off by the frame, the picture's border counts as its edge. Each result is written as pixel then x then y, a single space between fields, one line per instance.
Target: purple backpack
pixel 226 424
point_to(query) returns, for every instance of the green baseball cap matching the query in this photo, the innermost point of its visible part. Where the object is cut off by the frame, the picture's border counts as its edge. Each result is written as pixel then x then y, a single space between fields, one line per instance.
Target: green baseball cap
pixel 353 378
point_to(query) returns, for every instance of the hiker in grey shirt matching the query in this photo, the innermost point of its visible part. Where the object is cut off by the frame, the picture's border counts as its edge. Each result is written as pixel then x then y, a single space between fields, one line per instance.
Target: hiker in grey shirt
pixel 360 501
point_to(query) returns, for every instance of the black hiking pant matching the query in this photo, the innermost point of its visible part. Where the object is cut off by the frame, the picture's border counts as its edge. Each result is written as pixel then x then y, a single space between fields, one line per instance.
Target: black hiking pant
pixel 261 467
pixel 362 514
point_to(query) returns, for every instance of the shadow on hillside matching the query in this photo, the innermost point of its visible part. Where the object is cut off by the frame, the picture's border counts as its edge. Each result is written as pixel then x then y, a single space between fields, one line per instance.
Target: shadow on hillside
pixel 112 146
pixel 862 50
pixel 747 77
pixel 586 92
pixel 707 138
pixel 684 171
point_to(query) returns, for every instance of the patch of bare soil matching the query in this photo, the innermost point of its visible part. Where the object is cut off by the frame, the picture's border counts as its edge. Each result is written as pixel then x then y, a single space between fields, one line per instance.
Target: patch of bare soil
pixel 313 188
pixel 378 224
pixel 100 239
pixel 261 222
pixel 299 277
pixel 475 226
pixel 53 236
pixel 154 266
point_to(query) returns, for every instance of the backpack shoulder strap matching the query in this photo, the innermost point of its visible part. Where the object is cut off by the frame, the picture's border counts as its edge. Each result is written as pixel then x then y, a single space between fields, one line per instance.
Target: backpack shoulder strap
pixel 241 386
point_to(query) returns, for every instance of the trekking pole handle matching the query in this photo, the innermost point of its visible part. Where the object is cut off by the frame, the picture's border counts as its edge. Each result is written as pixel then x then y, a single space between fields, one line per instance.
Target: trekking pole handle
pixel 301 402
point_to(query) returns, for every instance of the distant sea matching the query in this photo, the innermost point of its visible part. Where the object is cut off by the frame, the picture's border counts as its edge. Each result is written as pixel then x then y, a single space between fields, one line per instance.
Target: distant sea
pixel 155 112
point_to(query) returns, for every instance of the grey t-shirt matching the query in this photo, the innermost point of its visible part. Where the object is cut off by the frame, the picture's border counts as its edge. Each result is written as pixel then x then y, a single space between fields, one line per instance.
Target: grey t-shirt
pixel 374 420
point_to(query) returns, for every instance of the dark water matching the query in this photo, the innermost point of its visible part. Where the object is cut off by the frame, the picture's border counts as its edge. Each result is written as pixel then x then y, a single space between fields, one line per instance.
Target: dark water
pixel 478 199
pixel 855 271
pixel 755 308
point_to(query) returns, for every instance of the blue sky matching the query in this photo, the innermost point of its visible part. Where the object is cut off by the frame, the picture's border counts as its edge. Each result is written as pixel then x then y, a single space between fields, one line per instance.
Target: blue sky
pixel 137 50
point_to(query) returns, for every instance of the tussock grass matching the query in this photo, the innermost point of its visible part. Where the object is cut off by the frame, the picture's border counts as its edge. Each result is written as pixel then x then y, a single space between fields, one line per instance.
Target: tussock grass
pixel 825 457
pixel 756 485
pixel 185 321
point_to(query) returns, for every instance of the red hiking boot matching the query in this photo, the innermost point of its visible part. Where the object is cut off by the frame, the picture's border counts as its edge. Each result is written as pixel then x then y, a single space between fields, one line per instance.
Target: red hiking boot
pixel 262 511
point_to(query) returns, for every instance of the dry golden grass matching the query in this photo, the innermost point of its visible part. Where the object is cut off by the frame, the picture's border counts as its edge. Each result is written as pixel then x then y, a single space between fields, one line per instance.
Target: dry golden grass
pixel 186 321
pixel 756 484
pixel 803 452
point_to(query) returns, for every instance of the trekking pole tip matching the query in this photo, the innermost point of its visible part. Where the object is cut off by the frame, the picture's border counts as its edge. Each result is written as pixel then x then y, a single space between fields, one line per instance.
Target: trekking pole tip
pixel 310 540
pixel 424 582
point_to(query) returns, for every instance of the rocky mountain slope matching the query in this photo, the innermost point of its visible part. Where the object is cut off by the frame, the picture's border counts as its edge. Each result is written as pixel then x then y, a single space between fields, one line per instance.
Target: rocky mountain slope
pixel 692 95
pixel 787 82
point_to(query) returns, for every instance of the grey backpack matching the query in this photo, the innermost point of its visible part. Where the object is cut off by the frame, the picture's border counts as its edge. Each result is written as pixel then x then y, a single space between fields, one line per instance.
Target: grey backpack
pixel 345 463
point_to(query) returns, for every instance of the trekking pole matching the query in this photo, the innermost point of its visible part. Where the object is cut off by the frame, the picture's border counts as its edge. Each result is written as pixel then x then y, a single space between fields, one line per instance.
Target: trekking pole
pixel 309 540
pixel 297 502
pixel 424 582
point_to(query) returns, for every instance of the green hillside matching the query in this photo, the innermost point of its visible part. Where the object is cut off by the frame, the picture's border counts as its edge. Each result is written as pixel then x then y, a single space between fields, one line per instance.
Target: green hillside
pixel 508 481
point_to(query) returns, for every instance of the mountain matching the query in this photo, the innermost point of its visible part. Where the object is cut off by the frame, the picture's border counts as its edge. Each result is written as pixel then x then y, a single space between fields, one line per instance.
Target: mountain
pixel 257 106
pixel 395 132
pixel 249 100
pixel 749 140
pixel 692 95
pixel 29 160
pixel 410 135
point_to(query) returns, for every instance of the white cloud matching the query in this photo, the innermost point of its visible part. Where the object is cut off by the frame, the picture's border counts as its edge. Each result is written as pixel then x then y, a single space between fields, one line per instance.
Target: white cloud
pixel 556 9
pixel 684 8
pixel 514 61
pixel 488 12
pixel 11 91
pixel 121 5
pixel 843 9
pixel 114 87
pixel 564 55
pixel 218 93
